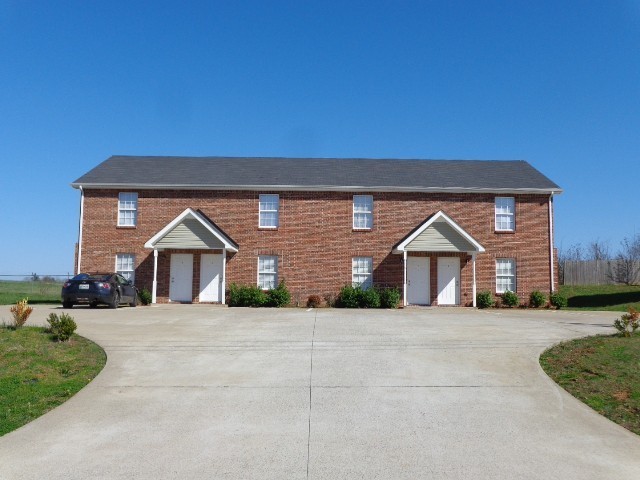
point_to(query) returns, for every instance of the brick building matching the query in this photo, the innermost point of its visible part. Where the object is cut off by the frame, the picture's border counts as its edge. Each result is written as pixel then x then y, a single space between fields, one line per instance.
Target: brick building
pixel 440 230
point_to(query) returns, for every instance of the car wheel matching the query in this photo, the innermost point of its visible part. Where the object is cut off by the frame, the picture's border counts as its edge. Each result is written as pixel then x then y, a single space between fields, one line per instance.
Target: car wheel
pixel 134 302
pixel 93 305
pixel 67 304
pixel 116 300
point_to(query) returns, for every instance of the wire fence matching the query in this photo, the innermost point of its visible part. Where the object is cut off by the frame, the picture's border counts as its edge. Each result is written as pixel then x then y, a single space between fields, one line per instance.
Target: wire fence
pixel 37 288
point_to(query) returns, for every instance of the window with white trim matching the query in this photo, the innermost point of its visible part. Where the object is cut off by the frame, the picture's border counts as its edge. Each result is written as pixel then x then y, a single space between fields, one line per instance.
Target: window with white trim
pixel 127 209
pixel 362 272
pixel 505 214
pixel 505 275
pixel 267 272
pixel 126 265
pixel 362 212
pixel 268 211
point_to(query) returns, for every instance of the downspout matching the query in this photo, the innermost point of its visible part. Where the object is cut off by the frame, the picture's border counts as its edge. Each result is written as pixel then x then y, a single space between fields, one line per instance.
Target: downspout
pixel 80 229
pixel 404 278
pixel 551 242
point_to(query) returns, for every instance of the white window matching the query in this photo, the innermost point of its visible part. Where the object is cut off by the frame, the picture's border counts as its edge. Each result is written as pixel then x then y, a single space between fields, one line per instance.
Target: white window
pixel 269 206
pixel 362 212
pixel 127 209
pixel 267 272
pixel 125 265
pixel 505 275
pixel 505 214
pixel 362 272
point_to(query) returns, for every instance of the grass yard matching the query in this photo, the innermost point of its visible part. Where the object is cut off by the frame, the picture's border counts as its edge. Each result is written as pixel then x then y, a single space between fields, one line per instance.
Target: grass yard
pixel 617 298
pixel 603 372
pixel 37 292
pixel 38 374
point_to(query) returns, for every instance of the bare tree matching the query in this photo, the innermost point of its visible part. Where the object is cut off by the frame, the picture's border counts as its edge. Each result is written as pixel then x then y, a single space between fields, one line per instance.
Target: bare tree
pixel 598 250
pixel 627 264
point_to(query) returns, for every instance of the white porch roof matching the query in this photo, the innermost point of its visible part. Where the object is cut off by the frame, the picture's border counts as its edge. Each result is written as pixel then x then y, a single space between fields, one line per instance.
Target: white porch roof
pixel 191 230
pixel 439 233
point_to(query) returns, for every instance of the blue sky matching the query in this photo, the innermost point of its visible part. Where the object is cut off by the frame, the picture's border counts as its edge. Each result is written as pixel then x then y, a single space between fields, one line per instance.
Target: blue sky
pixel 555 83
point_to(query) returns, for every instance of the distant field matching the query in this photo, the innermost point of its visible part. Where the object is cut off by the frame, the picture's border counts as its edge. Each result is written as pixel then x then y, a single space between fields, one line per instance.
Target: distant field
pixel 37 292
pixel 615 298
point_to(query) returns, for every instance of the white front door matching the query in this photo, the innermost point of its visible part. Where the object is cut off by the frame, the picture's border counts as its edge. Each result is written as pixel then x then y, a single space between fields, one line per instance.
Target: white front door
pixel 210 277
pixel 448 280
pixel 418 281
pixel 180 287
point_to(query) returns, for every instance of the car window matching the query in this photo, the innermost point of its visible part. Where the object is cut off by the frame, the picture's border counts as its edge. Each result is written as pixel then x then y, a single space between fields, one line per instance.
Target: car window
pixel 121 280
pixel 80 276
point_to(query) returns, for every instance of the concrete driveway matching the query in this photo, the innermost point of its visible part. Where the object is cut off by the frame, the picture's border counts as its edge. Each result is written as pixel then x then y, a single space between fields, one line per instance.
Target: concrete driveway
pixel 193 392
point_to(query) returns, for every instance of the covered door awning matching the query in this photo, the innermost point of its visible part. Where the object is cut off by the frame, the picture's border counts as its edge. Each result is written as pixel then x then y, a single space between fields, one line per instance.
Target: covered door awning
pixel 439 233
pixel 191 230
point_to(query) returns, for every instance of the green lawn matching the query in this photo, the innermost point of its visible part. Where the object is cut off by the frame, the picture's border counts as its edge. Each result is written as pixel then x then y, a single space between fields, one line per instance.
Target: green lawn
pixel 617 298
pixel 38 374
pixel 37 292
pixel 603 372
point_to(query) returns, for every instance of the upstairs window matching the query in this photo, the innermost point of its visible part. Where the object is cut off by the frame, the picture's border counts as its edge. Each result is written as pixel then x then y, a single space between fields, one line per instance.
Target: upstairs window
pixel 125 265
pixel 505 275
pixel 267 272
pixel 268 211
pixel 362 272
pixel 505 214
pixel 127 209
pixel 362 212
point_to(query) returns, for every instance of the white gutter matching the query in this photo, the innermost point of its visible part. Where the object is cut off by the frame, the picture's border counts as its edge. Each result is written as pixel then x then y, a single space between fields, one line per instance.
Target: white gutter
pixel 80 230
pixel 551 242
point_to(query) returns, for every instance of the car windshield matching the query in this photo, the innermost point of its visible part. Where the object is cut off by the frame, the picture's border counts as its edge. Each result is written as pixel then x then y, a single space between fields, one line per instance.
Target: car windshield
pixel 96 277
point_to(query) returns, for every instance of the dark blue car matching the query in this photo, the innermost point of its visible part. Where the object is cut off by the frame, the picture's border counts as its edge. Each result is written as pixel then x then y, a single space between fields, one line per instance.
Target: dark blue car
pixel 94 289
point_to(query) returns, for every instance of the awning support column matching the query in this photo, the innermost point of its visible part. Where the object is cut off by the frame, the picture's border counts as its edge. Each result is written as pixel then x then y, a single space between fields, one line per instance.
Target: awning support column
pixel 404 278
pixel 224 274
pixel 154 288
pixel 473 268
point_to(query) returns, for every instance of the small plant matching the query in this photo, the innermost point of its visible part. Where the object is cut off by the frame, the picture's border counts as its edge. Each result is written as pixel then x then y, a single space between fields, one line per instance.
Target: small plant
pixel 21 311
pixel 628 323
pixel 279 296
pixel 537 299
pixel 389 297
pixel 145 296
pixel 369 298
pixel 246 296
pixel 558 300
pixel 484 300
pixel 61 327
pixel 510 299
pixel 314 301
pixel 349 297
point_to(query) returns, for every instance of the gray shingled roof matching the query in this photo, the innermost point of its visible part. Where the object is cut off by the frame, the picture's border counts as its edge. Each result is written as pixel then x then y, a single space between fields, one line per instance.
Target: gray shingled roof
pixel 250 173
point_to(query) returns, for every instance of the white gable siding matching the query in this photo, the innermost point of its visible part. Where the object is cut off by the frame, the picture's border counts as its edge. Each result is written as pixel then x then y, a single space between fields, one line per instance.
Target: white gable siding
pixel 189 233
pixel 440 237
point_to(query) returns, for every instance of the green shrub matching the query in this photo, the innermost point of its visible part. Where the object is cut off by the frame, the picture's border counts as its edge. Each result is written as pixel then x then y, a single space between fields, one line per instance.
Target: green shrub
pixel 537 299
pixel 369 298
pixel 314 301
pixel 628 323
pixel 558 300
pixel 62 327
pixel 279 296
pixel 389 297
pixel 349 297
pixel 484 300
pixel 145 296
pixel 246 296
pixel 510 299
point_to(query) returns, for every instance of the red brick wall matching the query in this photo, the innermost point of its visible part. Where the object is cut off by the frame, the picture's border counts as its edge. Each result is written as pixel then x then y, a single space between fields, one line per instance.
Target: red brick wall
pixel 315 241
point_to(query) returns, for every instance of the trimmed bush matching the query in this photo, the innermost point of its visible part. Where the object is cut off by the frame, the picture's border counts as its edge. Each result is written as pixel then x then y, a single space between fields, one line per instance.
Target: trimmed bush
pixel 21 311
pixel 510 299
pixel 246 296
pixel 369 298
pixel 389 297
pixel 537 299
pixel 484 300
pixel 145 296
pixel 349 297
pixel 314 301
pixel 558 300
pixel 279 296
pixel 61 327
